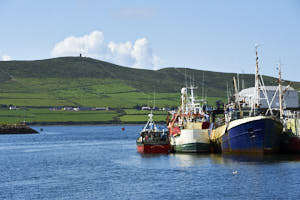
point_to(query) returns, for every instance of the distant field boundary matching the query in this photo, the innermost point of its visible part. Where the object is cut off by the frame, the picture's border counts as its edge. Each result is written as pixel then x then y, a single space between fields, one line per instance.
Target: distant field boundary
pixel 89 123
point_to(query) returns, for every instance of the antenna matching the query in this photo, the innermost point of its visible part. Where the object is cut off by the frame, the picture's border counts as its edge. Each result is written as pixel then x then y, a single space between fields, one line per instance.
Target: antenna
pixel 154 99
pixel 238 81
pixel 202 85
pixel 243 84
pixel 243 80
pixel 227 90
pixel 193 80
pixel 236 95
pixel 185 77
pixel 148 102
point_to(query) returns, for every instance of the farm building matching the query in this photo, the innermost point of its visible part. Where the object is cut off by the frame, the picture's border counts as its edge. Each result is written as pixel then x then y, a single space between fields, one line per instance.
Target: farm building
pixel 290 97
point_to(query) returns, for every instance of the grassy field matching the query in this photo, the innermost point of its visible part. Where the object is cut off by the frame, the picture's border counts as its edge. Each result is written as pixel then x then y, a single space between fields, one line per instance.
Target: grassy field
pixel 133 115
pixel 142 118
pixel 86 82
pixel 47 116
pixel 32 105
pixel 113 100
pixel 144 112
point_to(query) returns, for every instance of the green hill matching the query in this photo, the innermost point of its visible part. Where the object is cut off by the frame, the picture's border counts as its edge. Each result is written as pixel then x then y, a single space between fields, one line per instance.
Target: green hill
pixel 89 82
pixel 76 81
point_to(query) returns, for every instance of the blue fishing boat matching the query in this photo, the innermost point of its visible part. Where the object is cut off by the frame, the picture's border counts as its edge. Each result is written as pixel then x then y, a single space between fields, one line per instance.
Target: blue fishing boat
pixel 248 128
pixel 259 134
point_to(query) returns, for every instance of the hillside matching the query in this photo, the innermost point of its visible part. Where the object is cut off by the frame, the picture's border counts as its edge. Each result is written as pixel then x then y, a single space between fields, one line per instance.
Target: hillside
pixel 76 81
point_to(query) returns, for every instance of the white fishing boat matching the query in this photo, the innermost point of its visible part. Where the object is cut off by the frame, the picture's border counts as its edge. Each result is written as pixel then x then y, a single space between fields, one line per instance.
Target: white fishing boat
pixel 189 126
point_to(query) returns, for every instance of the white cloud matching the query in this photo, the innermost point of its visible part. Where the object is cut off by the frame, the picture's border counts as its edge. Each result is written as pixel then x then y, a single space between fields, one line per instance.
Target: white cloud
pixel 120 53
pixel 5 58
pixel 89 45
pixel 142 53
pixel 138 54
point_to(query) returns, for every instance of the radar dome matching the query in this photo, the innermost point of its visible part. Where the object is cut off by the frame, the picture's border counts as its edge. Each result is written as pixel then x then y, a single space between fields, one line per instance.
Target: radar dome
pixel 183 91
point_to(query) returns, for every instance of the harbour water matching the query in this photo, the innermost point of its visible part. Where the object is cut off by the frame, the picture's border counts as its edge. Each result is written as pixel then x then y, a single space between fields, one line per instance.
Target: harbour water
pixel 101 162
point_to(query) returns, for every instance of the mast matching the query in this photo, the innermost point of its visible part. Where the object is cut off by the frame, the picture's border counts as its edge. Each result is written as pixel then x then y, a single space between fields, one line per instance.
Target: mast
pixel 238 81
pixel 243 80
pixel 237 100
pixel 257 89
pixel 280 93
pixel 227 93
pixel 183 100
pixel 243 84
pixel 192 97
pixel 150 124
pixel 185 77
pixel 154 100
pixel 202 85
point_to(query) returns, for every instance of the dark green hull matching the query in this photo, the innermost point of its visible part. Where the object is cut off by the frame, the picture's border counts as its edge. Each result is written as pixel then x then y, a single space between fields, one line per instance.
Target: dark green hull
pixel 192 148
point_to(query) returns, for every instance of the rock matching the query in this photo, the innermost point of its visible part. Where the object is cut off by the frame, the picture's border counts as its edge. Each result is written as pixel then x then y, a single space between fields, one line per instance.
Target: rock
pixel 16 129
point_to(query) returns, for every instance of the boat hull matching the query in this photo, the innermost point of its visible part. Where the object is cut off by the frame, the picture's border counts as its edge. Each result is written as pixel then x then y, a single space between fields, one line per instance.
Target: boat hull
pixel 252 135
pixel 192 148
pixel 290 144
pixel 154 148
pixel 216 138
pixel 191 141
pixel 294 145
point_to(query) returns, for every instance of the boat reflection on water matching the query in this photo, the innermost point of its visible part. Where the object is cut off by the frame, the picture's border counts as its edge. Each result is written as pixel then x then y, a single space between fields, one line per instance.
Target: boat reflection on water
pixel 179 159
pixel 153 155
pixel 253 158
pixel 198 160
pixel 189 160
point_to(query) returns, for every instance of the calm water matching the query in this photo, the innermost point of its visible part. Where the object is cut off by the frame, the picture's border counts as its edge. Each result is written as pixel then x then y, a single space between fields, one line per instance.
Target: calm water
pixel 101 162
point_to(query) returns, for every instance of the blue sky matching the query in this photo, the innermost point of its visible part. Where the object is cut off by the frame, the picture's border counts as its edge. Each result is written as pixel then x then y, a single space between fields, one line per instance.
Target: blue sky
pixel 211 35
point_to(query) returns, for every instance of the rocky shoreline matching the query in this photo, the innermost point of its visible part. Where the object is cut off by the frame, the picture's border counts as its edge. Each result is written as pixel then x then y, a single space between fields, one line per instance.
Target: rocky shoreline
pixel 16 129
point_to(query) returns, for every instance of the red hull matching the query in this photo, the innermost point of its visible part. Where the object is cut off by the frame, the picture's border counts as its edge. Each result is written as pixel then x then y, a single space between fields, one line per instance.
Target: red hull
pixel 154 148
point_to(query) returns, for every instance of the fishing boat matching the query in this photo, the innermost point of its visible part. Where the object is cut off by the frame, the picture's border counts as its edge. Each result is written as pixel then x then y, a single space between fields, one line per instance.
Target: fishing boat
pixel 152 139
pixel 189 126
pixel 257 134
pixel 248 128
pixel 290 142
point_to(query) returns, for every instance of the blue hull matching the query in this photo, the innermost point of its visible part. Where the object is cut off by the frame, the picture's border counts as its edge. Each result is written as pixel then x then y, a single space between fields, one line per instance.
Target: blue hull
pixel 257 136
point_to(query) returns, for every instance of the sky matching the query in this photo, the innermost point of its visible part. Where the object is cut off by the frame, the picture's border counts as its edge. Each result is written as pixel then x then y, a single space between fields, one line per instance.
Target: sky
pixel 215 35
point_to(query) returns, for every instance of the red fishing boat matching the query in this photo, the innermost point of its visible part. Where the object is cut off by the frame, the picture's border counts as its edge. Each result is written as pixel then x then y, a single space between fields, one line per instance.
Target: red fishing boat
pixel 152 139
